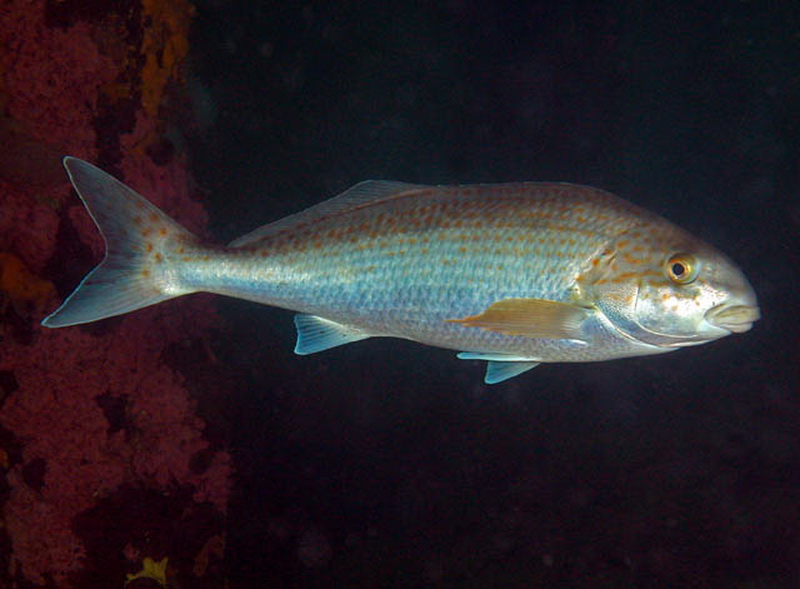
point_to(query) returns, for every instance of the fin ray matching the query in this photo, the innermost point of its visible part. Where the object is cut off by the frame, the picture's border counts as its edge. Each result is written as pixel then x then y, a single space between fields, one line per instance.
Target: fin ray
pixel 493 356
pixel 316 334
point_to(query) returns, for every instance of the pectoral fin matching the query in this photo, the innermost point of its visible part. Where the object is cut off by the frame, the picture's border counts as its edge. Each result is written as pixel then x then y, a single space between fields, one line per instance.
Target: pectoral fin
pixel 530 318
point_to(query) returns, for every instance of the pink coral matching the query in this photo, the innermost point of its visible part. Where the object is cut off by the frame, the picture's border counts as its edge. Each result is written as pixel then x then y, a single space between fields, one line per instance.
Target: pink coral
pixel 56 414
pixel 51 76
pixel 95 411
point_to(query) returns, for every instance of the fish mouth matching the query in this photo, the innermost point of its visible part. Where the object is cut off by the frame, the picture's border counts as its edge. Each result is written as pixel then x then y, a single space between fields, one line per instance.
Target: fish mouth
pixel 734 318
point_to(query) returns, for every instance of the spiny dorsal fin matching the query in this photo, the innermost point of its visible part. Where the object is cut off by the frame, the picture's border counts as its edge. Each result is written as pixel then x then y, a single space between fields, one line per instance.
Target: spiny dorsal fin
pixel 369 191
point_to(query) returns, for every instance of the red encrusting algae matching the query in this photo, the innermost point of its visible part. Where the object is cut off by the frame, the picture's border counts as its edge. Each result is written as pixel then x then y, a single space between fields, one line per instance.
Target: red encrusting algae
pixel 100 420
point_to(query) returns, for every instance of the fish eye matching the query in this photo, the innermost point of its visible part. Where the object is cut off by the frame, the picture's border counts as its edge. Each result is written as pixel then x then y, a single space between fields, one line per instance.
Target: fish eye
pixel 681 268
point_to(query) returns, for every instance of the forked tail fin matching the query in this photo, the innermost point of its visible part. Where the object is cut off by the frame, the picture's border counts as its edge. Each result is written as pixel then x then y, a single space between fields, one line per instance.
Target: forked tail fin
pixel 138 237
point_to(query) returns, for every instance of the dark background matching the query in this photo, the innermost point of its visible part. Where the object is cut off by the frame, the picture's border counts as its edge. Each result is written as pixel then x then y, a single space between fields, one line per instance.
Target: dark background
pixel 386 463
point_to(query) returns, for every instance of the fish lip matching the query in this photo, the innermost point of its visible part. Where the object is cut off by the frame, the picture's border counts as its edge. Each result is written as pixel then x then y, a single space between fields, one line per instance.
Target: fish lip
pixel 734 318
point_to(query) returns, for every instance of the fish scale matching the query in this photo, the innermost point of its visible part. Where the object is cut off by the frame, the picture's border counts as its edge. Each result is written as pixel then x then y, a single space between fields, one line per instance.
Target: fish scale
pixel 420 258
pixel 515 274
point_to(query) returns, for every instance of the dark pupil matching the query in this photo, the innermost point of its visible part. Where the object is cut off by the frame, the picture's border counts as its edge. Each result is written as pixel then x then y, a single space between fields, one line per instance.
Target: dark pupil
pixel 678 269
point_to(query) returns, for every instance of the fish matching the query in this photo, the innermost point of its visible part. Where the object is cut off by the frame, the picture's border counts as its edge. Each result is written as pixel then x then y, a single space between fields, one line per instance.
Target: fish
pixel 514 274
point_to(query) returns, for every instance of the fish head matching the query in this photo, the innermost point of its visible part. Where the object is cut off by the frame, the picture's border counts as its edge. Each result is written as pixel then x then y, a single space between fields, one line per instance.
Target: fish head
pixel 668 289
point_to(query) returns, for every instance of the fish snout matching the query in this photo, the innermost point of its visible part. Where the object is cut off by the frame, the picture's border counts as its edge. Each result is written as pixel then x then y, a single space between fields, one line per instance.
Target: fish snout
pixel 734 318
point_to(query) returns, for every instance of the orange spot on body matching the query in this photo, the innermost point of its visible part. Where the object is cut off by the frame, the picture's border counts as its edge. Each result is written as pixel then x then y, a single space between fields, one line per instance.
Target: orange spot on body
pixel 626 276
pixel 631 260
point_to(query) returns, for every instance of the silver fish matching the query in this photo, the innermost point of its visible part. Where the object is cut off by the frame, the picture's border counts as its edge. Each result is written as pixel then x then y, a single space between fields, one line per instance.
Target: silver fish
pixel 514 274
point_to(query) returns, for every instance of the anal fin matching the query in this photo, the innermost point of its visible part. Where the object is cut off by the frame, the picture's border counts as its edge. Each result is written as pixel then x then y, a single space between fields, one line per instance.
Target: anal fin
pixel 315 334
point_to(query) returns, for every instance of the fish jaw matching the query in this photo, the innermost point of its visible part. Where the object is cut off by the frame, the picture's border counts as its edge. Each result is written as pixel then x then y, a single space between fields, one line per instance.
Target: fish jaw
pixel 732 317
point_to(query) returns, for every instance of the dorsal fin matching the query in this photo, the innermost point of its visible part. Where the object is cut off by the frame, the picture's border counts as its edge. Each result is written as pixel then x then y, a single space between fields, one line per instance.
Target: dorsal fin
pixel 368 191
